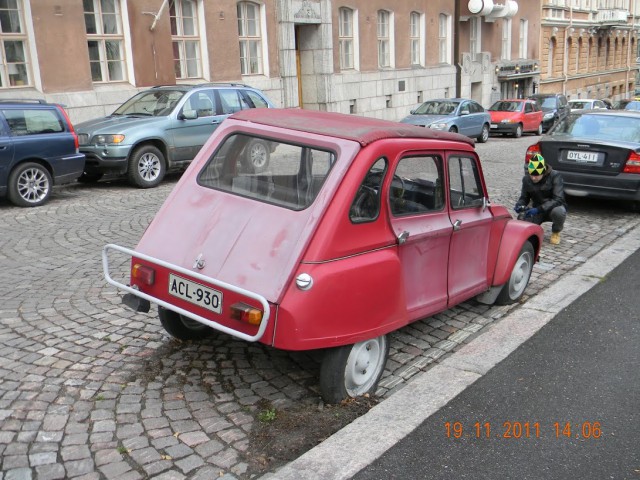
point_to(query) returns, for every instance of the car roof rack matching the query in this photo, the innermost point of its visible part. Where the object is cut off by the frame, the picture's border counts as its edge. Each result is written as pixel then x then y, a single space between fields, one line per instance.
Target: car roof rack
pixel 24 100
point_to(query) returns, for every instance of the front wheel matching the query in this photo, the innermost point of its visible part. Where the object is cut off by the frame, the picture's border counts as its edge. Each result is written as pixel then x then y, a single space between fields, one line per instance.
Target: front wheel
pixel 256 156
pixel 539 131
pixel 181 327
pixel 484 135
pixel 353 370
pixel 29 185
pixel 514 288
pixel 518 132
pixel 146 167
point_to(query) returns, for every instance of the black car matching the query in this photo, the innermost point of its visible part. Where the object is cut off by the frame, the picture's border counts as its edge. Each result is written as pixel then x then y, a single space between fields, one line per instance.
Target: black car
pixel 38 149
pixel 597 152
pixel 555 107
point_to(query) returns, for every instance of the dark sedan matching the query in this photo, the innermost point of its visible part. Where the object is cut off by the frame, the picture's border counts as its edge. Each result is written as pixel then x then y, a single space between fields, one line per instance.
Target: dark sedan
pixel 597 152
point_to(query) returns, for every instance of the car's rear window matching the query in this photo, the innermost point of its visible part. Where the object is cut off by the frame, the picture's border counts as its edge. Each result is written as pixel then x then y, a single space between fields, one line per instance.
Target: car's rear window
pixel 33 121
pixel 600 127
pixel 291 177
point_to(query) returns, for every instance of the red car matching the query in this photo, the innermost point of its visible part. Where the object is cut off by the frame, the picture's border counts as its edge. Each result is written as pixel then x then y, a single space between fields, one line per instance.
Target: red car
pixel 357 228
pixel 515 117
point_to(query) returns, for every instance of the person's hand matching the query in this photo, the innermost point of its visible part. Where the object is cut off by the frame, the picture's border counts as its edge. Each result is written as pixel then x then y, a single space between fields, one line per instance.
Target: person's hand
pixel 519 208
pixel 531 212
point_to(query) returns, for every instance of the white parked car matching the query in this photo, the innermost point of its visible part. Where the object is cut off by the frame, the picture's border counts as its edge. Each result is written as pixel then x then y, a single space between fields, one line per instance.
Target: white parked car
pixel 587 104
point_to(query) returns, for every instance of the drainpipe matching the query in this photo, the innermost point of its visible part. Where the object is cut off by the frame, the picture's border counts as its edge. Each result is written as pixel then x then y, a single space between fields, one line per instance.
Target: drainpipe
pixel 565 63
pixel 631 30
pixel 456 47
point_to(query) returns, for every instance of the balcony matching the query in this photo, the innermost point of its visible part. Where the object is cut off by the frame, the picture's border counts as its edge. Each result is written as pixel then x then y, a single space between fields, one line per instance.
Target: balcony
pixel 608 16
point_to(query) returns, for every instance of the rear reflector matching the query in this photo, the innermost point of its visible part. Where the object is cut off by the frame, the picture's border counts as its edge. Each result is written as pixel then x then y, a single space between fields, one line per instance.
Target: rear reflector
pixel 143 274
pixel 633 163
pixel 246 313
pixel 531 151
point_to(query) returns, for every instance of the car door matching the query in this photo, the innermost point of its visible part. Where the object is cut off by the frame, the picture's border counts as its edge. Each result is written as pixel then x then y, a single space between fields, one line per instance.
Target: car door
pixel 197 119
pixel 465 120
pixel 6 153
pixel 472 221
pixel 420 220
pixel 530 118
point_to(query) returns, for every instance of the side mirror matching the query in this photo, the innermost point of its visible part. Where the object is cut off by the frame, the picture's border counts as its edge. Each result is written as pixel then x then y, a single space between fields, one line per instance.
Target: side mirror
pixel 412 112
pixel 188 115
pixel 464 112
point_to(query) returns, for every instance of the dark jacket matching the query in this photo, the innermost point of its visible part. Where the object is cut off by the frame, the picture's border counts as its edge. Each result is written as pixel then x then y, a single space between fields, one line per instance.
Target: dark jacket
pixel 545 195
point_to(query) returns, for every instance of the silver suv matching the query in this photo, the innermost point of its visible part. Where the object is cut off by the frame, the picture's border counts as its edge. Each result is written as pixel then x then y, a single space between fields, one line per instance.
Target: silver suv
pixel 162 129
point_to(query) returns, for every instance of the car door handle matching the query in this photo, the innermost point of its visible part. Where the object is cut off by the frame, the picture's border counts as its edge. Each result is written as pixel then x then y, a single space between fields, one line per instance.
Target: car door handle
pixel 215 122
pixel 456 225
pixel 402 237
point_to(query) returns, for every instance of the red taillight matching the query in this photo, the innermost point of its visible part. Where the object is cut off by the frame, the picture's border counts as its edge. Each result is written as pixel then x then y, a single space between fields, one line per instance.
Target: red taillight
pixel 71 129
pixel 531 151
pixel 143 274
pixel 246 313
pixel 632 164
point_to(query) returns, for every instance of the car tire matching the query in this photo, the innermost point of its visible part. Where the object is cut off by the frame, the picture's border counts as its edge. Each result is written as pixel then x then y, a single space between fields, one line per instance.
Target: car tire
pixel 353 370
pixel 90 177
pixel 181 327
pixel 484 135
pixel 518 132
pixel 146 167
pixel 29 185
pixel 519 278
pixel 453 129
pixel 539 131
pixel 256 156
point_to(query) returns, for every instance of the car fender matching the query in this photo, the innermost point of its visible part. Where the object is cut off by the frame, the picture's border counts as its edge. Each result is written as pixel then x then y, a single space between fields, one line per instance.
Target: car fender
pixel 515 234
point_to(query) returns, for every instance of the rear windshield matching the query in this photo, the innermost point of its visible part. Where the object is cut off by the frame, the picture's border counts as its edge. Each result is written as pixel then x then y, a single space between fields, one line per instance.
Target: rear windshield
pixel 600 127
pixel 268 171
pixel 33 121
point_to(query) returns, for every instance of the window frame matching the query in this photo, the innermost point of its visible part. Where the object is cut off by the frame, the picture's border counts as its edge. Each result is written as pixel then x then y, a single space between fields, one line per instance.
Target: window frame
pixel 251 45
pixel 385 33
pixel 183 61
pixel 444 34
pixel 16 73
pixel 416 39
pixel 102 40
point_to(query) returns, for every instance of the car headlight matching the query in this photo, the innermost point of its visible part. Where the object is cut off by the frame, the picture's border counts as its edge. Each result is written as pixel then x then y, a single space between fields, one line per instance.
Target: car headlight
pixel 438 126
pixel 548 116
pixel 108 139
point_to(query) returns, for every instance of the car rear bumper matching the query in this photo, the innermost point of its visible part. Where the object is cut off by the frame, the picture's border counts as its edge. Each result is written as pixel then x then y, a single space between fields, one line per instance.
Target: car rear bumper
pixel 625 186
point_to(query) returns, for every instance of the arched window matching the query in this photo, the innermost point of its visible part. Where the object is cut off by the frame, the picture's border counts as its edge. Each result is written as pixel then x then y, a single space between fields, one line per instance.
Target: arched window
pixel 569 50
pixel 578 54
pixel 550 57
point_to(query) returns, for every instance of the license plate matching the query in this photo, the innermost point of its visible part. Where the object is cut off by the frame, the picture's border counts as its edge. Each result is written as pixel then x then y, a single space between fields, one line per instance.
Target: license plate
pixel 195 293
pixel 583 157
pixel 494 125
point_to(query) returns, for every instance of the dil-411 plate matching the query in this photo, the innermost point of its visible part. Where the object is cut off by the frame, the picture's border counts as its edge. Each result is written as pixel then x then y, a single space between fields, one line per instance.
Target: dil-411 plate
pixel 195 293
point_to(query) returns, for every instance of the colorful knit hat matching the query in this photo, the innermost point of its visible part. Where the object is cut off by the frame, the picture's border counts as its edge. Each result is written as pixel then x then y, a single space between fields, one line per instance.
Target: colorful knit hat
pixel 537 165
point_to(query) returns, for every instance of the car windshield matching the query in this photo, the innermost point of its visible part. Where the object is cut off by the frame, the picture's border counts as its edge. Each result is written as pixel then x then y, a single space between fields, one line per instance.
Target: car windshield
pixel 506 106
pixel 436 108
pixel 546 102
pixel 151 103
pixel 294 177
pixel 600 127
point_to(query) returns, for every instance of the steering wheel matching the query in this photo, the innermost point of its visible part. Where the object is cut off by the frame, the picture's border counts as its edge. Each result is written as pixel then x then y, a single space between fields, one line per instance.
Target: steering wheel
pixel 365 204
pixel 396 191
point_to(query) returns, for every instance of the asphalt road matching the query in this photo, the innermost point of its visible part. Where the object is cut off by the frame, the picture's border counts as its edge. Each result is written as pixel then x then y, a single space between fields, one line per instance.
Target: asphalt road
pixel 565 404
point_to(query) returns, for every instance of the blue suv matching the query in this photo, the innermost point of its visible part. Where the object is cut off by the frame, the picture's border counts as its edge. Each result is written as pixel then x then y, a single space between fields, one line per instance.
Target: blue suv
pixel 38 149
pixel 162 129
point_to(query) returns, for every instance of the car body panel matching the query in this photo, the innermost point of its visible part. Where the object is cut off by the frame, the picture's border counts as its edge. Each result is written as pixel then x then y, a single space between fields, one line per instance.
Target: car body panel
pixel 508 114
pixel 450 113
pixel 368 276
pixel 591 150
pixel 586 104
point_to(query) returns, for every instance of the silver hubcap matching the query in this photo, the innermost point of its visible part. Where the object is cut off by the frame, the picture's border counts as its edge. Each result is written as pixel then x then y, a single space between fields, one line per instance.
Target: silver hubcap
pixel 149 167
pixel 33 185
pixel 364 364
pixel 520 275
pixel 258 155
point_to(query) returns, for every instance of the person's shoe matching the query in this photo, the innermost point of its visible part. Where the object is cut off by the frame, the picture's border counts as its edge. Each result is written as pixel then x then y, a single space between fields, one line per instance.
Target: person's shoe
pixel 555 238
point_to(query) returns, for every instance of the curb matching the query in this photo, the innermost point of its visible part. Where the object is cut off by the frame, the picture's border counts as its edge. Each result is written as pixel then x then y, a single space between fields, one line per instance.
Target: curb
pixel 352 448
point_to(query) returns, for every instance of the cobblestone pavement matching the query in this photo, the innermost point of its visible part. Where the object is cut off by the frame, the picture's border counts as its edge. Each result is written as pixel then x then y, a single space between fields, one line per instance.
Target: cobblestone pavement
pixel 90 390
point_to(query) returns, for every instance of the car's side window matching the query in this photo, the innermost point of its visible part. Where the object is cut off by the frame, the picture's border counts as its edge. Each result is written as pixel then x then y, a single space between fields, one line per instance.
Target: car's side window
pixel 255 99
pixel 416 186
pixel 231 101
pixel 465 187
pixel 366 204
pixel 201 103
pixel 528 108
pixel 33 121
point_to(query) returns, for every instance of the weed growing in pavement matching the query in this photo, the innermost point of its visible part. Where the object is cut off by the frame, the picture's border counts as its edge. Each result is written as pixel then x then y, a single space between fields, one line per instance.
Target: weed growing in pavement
pixel 267 415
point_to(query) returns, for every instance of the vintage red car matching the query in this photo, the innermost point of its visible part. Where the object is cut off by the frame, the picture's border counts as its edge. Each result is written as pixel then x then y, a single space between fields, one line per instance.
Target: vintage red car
pixel 516 116
pixel 357 228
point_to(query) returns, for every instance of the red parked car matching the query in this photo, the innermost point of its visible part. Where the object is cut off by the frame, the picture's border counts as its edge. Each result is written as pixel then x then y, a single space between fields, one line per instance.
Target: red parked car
pixel 357 228
pixel 515 117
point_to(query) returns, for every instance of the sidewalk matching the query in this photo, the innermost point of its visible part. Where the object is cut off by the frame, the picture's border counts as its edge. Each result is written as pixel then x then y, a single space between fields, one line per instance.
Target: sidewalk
pixel 370 436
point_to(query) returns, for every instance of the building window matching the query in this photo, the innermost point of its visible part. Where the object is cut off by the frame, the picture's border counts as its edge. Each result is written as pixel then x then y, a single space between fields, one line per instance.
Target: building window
pixel 105 40
pixel 416 35
pixel 183 15
pixel 550 60
pixel 444 29
pixel 384 40
pixel 14 71
pixel 578 53
pixel 345 35
pixel 250 38
pixel 506 39
pixel 474 37
pixel 523 45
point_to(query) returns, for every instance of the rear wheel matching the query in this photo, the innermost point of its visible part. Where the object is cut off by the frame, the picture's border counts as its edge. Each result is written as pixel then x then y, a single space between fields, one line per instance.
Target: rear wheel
pixel 484 135
pixel 256 155
pixel 146 167
pixel 514 288
pixel 29 185
pixel 181 327
pixel 353 370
